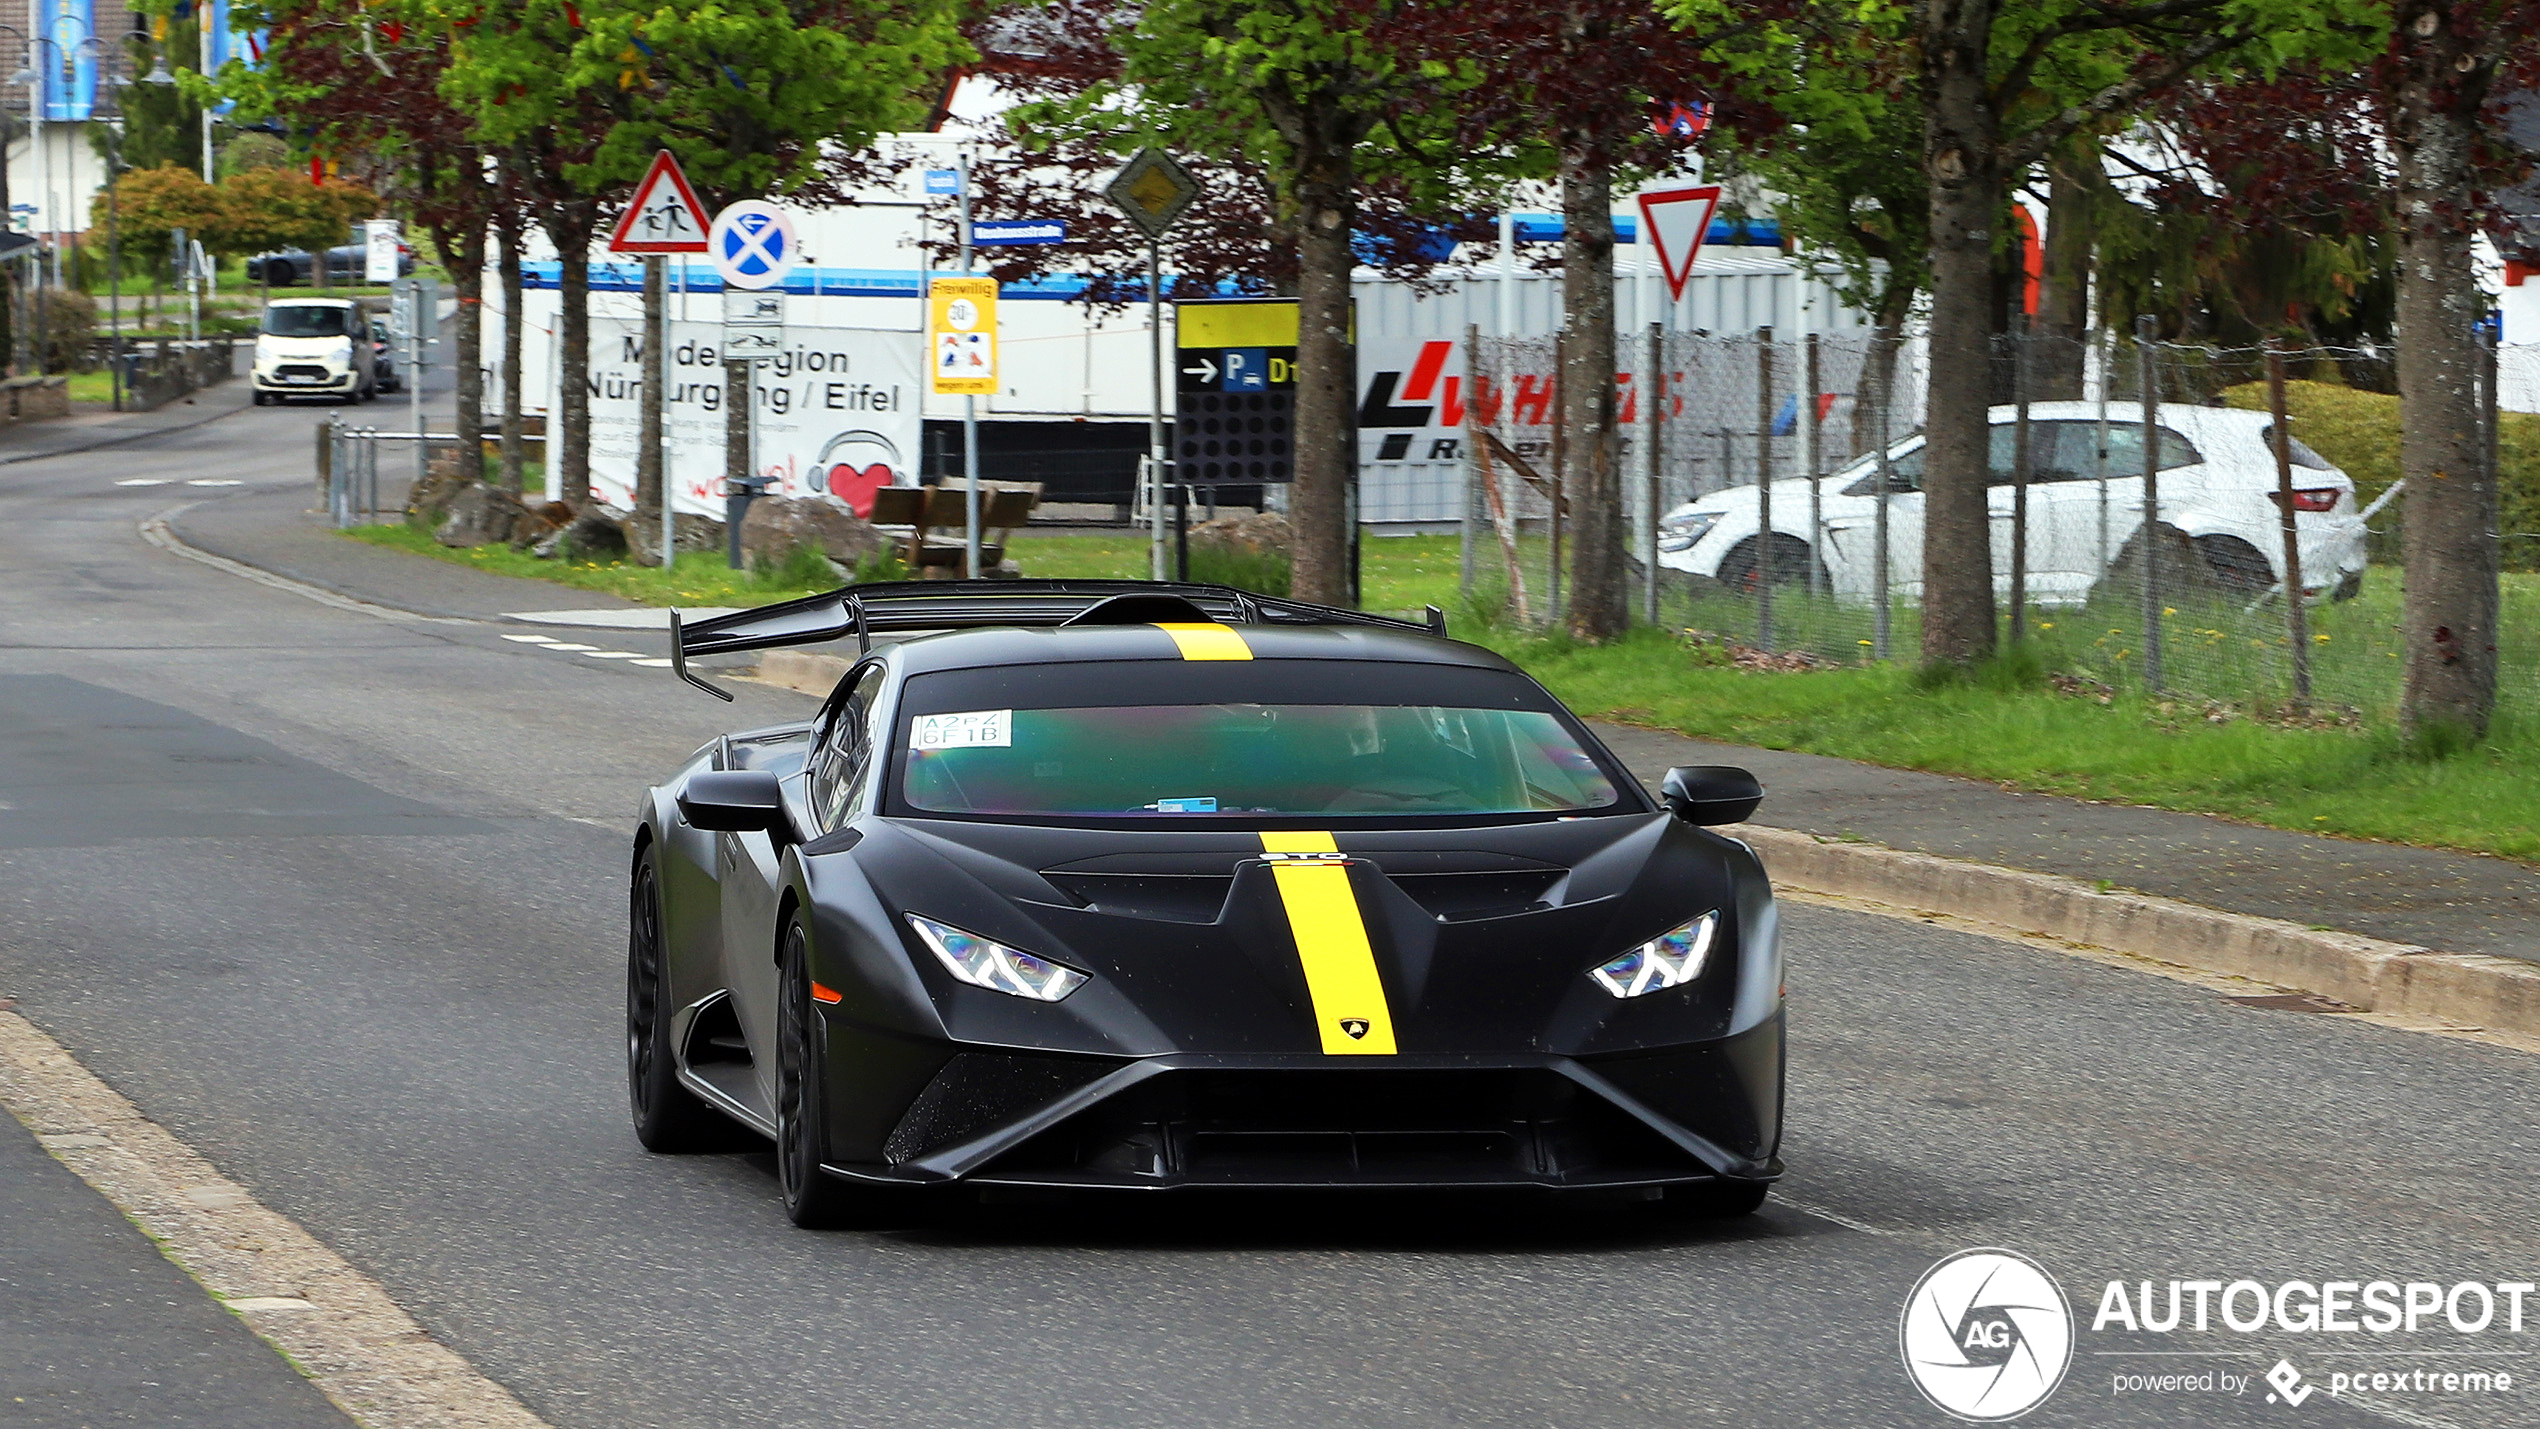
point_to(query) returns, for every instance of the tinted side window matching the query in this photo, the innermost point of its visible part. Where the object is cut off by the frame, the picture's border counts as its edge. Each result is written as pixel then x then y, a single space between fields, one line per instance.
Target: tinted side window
pixel 2125 449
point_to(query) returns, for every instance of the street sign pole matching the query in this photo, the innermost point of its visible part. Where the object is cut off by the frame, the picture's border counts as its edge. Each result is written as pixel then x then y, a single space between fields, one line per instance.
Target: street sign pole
pixel 1153 191
pixel 969 409
pixel 664 217
pixel 1155 409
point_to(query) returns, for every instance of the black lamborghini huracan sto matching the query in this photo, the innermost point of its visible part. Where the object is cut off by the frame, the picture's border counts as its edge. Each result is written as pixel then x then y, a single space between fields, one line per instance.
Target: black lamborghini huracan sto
pixel 1118 885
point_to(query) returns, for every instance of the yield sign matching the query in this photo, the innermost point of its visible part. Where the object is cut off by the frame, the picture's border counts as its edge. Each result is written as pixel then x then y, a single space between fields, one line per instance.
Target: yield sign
pixel 665 216
pixel 1677 219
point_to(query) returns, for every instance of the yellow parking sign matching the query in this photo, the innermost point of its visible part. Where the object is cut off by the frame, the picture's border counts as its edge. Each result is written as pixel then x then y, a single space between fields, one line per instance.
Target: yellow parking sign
pixel 961 335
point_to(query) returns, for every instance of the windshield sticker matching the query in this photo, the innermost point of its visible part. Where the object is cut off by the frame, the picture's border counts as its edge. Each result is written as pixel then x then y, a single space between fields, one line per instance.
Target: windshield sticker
pixel 1188 805
pixel 967 729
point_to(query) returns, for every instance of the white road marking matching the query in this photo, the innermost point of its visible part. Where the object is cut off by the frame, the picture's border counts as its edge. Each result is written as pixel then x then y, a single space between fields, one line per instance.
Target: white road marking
pixel 215 481
pixel 572 649
pixel 655 662
pixel 143 481
pixel 360 1348
pixel 612 654
pixel 532 639
pixel 1821 1213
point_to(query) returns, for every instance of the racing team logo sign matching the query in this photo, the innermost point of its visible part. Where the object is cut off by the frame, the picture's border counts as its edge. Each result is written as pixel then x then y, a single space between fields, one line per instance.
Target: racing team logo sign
pixel 1987 1335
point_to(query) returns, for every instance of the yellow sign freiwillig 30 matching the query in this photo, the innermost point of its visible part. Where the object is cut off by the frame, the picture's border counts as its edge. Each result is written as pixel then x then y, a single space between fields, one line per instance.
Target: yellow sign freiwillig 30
pixel 961 335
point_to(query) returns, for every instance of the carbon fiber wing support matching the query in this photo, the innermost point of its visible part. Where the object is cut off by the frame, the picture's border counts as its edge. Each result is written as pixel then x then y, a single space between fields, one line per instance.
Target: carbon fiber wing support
pixel 887 607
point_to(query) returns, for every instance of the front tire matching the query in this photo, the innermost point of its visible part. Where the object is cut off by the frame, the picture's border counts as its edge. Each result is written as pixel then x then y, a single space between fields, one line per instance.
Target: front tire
pixel 668 1117
pixel 814 1199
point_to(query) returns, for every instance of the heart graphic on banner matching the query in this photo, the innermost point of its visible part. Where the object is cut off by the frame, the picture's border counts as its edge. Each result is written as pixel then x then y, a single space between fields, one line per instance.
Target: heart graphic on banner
pixel 856 487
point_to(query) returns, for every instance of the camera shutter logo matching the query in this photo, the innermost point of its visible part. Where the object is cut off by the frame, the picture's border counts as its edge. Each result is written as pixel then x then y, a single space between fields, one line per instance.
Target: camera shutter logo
pixel 1987 1335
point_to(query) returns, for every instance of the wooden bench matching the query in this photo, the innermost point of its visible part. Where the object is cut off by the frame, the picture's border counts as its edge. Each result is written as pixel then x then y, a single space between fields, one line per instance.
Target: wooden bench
pixel 919 518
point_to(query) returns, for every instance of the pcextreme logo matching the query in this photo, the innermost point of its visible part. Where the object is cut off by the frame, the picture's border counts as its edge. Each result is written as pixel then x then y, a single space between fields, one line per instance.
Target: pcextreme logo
pixel 1987 1335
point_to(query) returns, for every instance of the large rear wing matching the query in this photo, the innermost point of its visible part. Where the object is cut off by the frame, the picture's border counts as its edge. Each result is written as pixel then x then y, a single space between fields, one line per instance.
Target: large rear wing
pixel 888 607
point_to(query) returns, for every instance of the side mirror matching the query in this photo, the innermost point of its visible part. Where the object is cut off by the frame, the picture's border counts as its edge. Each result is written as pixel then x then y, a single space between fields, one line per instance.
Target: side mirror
pixel 1710 793
pixel 733 801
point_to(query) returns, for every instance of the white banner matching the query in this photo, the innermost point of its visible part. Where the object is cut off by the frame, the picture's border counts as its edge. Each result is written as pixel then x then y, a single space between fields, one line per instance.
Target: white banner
pixel 836 412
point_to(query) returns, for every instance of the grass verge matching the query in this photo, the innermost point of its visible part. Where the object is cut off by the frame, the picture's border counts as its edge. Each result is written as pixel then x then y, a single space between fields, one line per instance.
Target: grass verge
pixel 2008 724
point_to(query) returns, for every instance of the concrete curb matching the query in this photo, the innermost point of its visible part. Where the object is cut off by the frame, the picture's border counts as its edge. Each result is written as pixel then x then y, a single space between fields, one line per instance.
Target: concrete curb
pixel 2467 991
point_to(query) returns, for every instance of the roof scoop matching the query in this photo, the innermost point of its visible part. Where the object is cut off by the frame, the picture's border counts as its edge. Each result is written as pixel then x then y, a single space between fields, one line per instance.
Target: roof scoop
pixel 1143 608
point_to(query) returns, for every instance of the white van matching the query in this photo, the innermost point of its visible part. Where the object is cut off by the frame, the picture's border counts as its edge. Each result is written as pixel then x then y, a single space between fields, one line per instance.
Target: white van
pixel 315 347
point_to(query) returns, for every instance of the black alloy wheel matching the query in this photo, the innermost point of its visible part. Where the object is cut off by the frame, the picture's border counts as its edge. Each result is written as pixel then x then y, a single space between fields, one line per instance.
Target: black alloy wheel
pixel 668 1117
pixel 2236 565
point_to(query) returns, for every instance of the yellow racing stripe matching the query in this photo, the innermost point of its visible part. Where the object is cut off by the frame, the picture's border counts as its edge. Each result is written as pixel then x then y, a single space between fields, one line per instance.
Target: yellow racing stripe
pixel 1331 942
pixel 1207 640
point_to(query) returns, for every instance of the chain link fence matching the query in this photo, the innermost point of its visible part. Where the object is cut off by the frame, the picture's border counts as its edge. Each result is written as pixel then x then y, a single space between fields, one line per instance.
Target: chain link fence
pixel 1776 507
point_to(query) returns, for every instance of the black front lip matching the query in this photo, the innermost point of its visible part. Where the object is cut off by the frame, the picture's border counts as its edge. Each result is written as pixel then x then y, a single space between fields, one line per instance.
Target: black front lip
pixel 969 1162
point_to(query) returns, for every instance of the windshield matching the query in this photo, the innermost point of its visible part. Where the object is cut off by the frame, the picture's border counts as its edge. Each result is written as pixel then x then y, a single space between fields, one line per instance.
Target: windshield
pixel 1255 759
pixel 307 320
pixel 1154 739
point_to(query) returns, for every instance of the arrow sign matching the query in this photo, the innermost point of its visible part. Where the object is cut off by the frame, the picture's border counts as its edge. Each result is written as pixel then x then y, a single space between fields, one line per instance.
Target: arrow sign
pixel 665 216
pixel 753 245
pixel 1206 372
pixel 1676 220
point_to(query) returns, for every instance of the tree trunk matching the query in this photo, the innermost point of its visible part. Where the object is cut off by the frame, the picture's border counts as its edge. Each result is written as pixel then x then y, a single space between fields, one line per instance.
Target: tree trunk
pixel 1878 371
pixel 469 338
pixel 2063 297
pixel 1326 417
pixel 507 236
pixel 1593 474
pixel 2447 539
pixel 1962 155
pixel 569 227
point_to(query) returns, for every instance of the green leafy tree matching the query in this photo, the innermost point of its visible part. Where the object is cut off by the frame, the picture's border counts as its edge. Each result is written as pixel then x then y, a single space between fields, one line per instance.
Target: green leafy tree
pixel 1329 101
pixel 151 206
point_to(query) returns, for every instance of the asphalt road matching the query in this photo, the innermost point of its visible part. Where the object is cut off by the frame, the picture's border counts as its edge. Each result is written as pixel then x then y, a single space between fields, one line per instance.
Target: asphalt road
pixel 338 900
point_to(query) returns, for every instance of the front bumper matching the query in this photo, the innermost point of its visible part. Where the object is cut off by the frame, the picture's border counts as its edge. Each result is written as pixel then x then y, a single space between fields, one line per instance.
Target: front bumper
pixel 992 1117
pixel 284 379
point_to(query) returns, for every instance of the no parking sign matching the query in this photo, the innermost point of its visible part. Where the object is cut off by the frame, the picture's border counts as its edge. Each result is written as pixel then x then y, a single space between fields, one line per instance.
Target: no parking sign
pixel 753 245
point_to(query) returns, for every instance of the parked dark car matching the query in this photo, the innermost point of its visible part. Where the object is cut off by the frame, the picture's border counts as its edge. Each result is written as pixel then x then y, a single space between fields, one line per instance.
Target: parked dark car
pixel 384 354
pixel 344 264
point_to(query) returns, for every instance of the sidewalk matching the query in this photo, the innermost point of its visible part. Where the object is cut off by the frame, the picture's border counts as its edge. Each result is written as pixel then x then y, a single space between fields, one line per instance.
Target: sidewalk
pixel 89 430
pixel 2450 902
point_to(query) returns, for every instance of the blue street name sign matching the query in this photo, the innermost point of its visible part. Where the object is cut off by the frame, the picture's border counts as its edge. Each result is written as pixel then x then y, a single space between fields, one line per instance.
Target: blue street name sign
pixel 1027 230
pixel 943 181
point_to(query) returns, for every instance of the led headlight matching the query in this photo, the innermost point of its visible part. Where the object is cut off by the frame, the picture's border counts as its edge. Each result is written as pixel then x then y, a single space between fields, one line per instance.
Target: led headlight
pixel 1682 533
pixel 1669 960
pixel 994 966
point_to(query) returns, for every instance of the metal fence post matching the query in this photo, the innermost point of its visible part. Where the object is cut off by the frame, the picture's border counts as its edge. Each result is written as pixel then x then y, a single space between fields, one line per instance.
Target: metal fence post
pixel 1653 393
pixel 2019 339
pixel 1813 416
pixel 1764 537
pixel 2295 621
pixel 1464 511
pixel 1885 363
pixel 2149 381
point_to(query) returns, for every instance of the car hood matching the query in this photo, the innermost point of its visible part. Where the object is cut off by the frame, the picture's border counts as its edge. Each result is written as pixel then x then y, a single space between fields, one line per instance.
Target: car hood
pixel 1482 937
